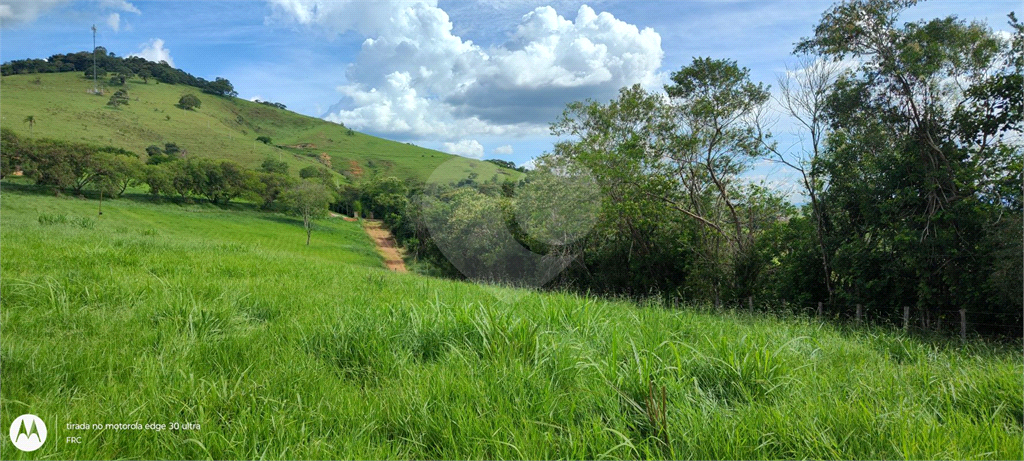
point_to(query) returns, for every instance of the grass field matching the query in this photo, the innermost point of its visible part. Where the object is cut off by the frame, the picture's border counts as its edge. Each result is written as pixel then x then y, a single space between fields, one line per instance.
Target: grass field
pixel 223 128
pixel 192 314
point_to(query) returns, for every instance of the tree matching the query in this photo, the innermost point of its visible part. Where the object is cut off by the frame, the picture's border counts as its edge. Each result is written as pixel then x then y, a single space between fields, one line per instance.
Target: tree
pixel 119 98
pixel 189 101
pixel 918 159
pixel 31 120
pixel 272 165
pixel 263 139
pixel 321 173
pixel 716 136
pixel 220 87
pixel 220 182
pixel 804 93
pixel 159 179
pixel 171 149
pixel 308 200
pixel 122 171
pixel 154 149
pixel 14 149
pixel 274 184
pixel 145 74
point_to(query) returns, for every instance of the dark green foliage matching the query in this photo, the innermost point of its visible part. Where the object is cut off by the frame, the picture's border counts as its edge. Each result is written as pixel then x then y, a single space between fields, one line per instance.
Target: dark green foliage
pixel 317 172
pixel 505 164
pixel 272 165
pixel 274 184
pixel 67 166
pixel 219 181
pixel 271 104
pixel 263 139
pixel 189 101
pixel 123 68
pixel 119 98
pixel 220 87
pixel 12 153
pixel 919 177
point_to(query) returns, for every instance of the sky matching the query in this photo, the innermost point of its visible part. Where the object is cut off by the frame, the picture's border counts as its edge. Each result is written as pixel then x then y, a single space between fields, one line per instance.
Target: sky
pixel 477 79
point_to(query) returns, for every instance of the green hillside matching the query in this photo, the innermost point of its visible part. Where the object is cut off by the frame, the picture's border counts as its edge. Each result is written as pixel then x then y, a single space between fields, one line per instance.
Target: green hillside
pixel 223 128
pixel 223 322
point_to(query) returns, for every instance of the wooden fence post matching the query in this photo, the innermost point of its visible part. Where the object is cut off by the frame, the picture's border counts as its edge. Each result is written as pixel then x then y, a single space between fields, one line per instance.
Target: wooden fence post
pixel 820 311
pixel 963 325
pixel 906 317
pixel 860 313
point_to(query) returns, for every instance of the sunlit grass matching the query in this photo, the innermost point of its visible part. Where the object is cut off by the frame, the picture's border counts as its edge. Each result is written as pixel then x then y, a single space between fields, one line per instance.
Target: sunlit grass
pixel 193 314
pixel 222 128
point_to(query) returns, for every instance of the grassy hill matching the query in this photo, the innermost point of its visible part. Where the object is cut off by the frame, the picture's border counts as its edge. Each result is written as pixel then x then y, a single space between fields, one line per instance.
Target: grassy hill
pixel 193 314
pixel 222 128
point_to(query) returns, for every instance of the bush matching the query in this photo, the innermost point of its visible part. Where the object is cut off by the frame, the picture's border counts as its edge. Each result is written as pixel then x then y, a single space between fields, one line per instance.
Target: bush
pixel 189 101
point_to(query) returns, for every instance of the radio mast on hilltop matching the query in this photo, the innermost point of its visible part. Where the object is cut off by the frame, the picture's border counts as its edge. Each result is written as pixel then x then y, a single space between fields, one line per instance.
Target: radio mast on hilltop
pixel 95 88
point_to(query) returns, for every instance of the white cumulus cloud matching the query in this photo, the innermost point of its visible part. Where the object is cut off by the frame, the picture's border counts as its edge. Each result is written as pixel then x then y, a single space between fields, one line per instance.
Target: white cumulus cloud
pixel 414 78
pixel 13 13
pixel 503 150
pixel 466 148
pixel 16 12
pixel 119 5
pixel 154 51
pixel 114 21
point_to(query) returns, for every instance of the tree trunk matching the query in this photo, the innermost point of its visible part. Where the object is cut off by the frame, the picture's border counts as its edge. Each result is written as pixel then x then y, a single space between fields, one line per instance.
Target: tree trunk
pixel 309 227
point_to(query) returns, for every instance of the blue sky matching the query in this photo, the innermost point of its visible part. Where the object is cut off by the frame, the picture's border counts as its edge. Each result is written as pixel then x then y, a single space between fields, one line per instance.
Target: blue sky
pixel 482 80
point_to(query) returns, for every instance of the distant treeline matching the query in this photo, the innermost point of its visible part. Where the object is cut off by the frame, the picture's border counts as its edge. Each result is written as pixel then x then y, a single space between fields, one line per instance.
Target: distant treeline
pixel 77 168
pixel 108 63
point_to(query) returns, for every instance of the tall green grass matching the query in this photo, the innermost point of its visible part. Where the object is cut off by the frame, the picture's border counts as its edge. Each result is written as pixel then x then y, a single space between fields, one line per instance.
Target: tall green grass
pixel 193 314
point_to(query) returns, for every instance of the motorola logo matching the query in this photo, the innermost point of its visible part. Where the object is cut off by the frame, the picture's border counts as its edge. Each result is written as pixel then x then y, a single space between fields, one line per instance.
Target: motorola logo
pixel 28 432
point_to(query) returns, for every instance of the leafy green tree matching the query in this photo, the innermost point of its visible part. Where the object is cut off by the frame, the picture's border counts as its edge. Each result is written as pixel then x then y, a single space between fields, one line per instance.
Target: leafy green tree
pixel 62 164
pixel 263 139
pixel 272 165
pixel 154 150
pixel 274 184
pixel 159 179
pixel 308 200
pixel 385 197
pixel 122 172
pixel 14 150
pixel 220 87
pixel 914 164
pixel 100 73
pixel 171 149
pixel 189 101
pixel 220 182
pixel 145 74
pixel 119 98
pixel 317 172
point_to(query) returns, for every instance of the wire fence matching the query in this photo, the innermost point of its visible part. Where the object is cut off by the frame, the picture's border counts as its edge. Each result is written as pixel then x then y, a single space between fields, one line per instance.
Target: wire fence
pixel 958 322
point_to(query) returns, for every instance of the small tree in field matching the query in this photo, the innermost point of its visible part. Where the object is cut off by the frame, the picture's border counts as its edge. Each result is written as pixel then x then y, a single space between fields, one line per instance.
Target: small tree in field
pixel 308 200
pixel 120 98
pixel 189 101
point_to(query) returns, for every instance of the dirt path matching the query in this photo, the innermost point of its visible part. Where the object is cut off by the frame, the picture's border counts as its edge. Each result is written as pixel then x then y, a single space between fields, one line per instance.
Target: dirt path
pixel 385 244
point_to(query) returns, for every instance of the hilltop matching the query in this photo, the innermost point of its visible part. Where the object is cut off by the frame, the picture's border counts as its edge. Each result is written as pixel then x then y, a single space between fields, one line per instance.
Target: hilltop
pixel 222 128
